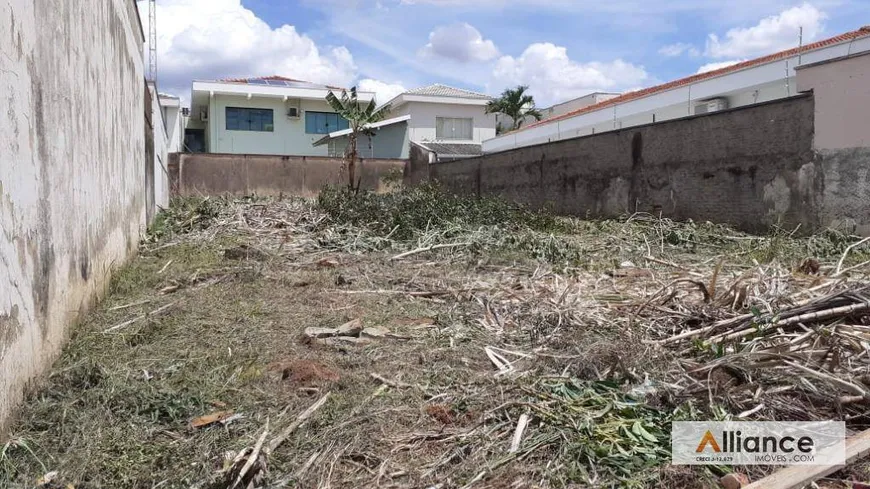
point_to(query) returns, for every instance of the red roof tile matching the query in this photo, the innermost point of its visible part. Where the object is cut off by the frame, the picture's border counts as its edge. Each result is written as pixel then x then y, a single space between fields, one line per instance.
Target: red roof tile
pixel 848 36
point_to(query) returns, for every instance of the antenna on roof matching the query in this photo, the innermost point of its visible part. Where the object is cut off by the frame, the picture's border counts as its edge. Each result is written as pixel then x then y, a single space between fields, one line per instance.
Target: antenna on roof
pixel 152 40
pixel 800 44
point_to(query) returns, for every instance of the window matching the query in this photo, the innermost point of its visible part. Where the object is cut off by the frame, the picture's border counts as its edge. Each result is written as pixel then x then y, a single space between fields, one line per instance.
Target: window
pixel 244 119
pixel 453 128
pixel 324 122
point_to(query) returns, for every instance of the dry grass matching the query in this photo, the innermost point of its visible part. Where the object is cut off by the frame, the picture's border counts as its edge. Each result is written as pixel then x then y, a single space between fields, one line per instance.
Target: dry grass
pixel 568 322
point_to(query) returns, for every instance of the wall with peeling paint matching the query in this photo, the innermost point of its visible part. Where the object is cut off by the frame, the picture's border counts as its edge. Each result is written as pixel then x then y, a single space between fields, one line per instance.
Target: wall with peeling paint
pixel 72 167
pixel 751 167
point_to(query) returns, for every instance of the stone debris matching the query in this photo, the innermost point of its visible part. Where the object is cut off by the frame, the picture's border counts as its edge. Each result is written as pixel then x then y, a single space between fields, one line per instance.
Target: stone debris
pixel 375 332
pixel 350 328
pixel 314 332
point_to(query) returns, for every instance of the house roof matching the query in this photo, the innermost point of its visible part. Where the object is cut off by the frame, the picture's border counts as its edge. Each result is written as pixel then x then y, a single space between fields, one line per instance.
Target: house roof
pixel 279 81
pixel 439 90
pixel 848 36
pixel 446 94
pixel 452 150
pixel 376 125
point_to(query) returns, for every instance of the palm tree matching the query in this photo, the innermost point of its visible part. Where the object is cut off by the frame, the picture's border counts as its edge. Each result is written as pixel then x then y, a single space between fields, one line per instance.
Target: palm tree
pixel 359 116
pixel 515 103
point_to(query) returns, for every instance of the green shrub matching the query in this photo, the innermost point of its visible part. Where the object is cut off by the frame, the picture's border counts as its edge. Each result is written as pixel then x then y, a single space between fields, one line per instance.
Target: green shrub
pixel 406 213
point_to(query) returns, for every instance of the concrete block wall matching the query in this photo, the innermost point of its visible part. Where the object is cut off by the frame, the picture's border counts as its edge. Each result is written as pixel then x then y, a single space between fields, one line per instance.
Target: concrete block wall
pixel 231 174
pixel 72 170
pixel 751 167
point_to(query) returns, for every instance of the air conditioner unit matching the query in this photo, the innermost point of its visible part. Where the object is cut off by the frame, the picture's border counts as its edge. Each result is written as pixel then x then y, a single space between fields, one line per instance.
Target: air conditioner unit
pixel 203 115
pixel 293 112
pixel 712 105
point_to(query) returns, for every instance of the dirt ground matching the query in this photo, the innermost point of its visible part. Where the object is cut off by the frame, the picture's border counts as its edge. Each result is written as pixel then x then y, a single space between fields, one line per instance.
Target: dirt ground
pixel 201 359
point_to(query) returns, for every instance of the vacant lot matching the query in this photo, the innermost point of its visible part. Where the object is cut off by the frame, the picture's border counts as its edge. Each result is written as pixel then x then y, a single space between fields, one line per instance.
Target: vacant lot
pixel 416 340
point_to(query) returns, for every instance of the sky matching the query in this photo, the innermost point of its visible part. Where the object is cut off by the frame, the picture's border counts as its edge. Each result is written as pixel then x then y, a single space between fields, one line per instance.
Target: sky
pixel 561 49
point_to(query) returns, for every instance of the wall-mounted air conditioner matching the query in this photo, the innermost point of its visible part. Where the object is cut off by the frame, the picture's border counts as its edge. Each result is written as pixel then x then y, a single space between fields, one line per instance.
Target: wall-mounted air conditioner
pixel 712 105
pixel 203 115
pixel 293 109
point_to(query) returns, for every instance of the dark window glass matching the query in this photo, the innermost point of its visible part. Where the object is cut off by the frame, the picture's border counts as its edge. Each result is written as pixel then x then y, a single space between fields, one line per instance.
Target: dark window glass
pixel 324 122
pixel 244 119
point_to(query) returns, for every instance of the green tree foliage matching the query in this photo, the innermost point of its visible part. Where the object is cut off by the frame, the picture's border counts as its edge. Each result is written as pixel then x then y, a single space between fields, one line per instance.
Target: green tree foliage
pixel 515 103
pixel 359 116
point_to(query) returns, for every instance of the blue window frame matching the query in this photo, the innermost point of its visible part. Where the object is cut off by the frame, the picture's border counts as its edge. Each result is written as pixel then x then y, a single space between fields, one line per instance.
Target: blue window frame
pixel 245 119
pixel 324 122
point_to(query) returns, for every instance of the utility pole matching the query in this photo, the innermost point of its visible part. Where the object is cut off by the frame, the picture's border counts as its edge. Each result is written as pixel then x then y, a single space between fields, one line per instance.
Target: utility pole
pixel 152 40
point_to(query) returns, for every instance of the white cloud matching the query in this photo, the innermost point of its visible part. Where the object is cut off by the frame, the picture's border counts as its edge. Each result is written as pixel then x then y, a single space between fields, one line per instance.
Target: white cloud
pixel 672 50
pixel 459 42
pixel 384 92
pixel 553 77
pixel 717 65
pixel 771 34
pixel 210 39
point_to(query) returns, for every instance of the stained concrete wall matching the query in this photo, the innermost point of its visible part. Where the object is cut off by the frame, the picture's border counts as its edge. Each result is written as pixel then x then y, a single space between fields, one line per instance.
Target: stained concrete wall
pixel 228 174
pixel 750 167
pixel 72 167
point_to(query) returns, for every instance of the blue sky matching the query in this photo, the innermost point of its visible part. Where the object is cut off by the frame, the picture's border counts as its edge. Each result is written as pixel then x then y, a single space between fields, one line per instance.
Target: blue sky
pixel 560 48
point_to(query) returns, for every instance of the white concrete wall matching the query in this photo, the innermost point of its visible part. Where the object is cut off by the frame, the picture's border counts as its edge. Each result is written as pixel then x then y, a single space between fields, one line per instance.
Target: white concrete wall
pixel 421 127
pixel 288 138
pixel 756 84
pixel 72 170
pixel 161 151
pixel 174 128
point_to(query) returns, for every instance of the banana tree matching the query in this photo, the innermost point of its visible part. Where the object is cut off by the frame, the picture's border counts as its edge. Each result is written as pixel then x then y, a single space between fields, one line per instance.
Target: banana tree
pixel 359 115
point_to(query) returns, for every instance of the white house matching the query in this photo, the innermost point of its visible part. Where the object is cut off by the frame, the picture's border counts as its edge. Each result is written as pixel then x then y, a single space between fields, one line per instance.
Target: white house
pixel 270 115
pixel 578 103
pixel 767 78
pixel 452 119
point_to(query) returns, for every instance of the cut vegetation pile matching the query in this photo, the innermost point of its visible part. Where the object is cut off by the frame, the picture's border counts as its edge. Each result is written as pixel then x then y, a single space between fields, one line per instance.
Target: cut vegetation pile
pixel 418 340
